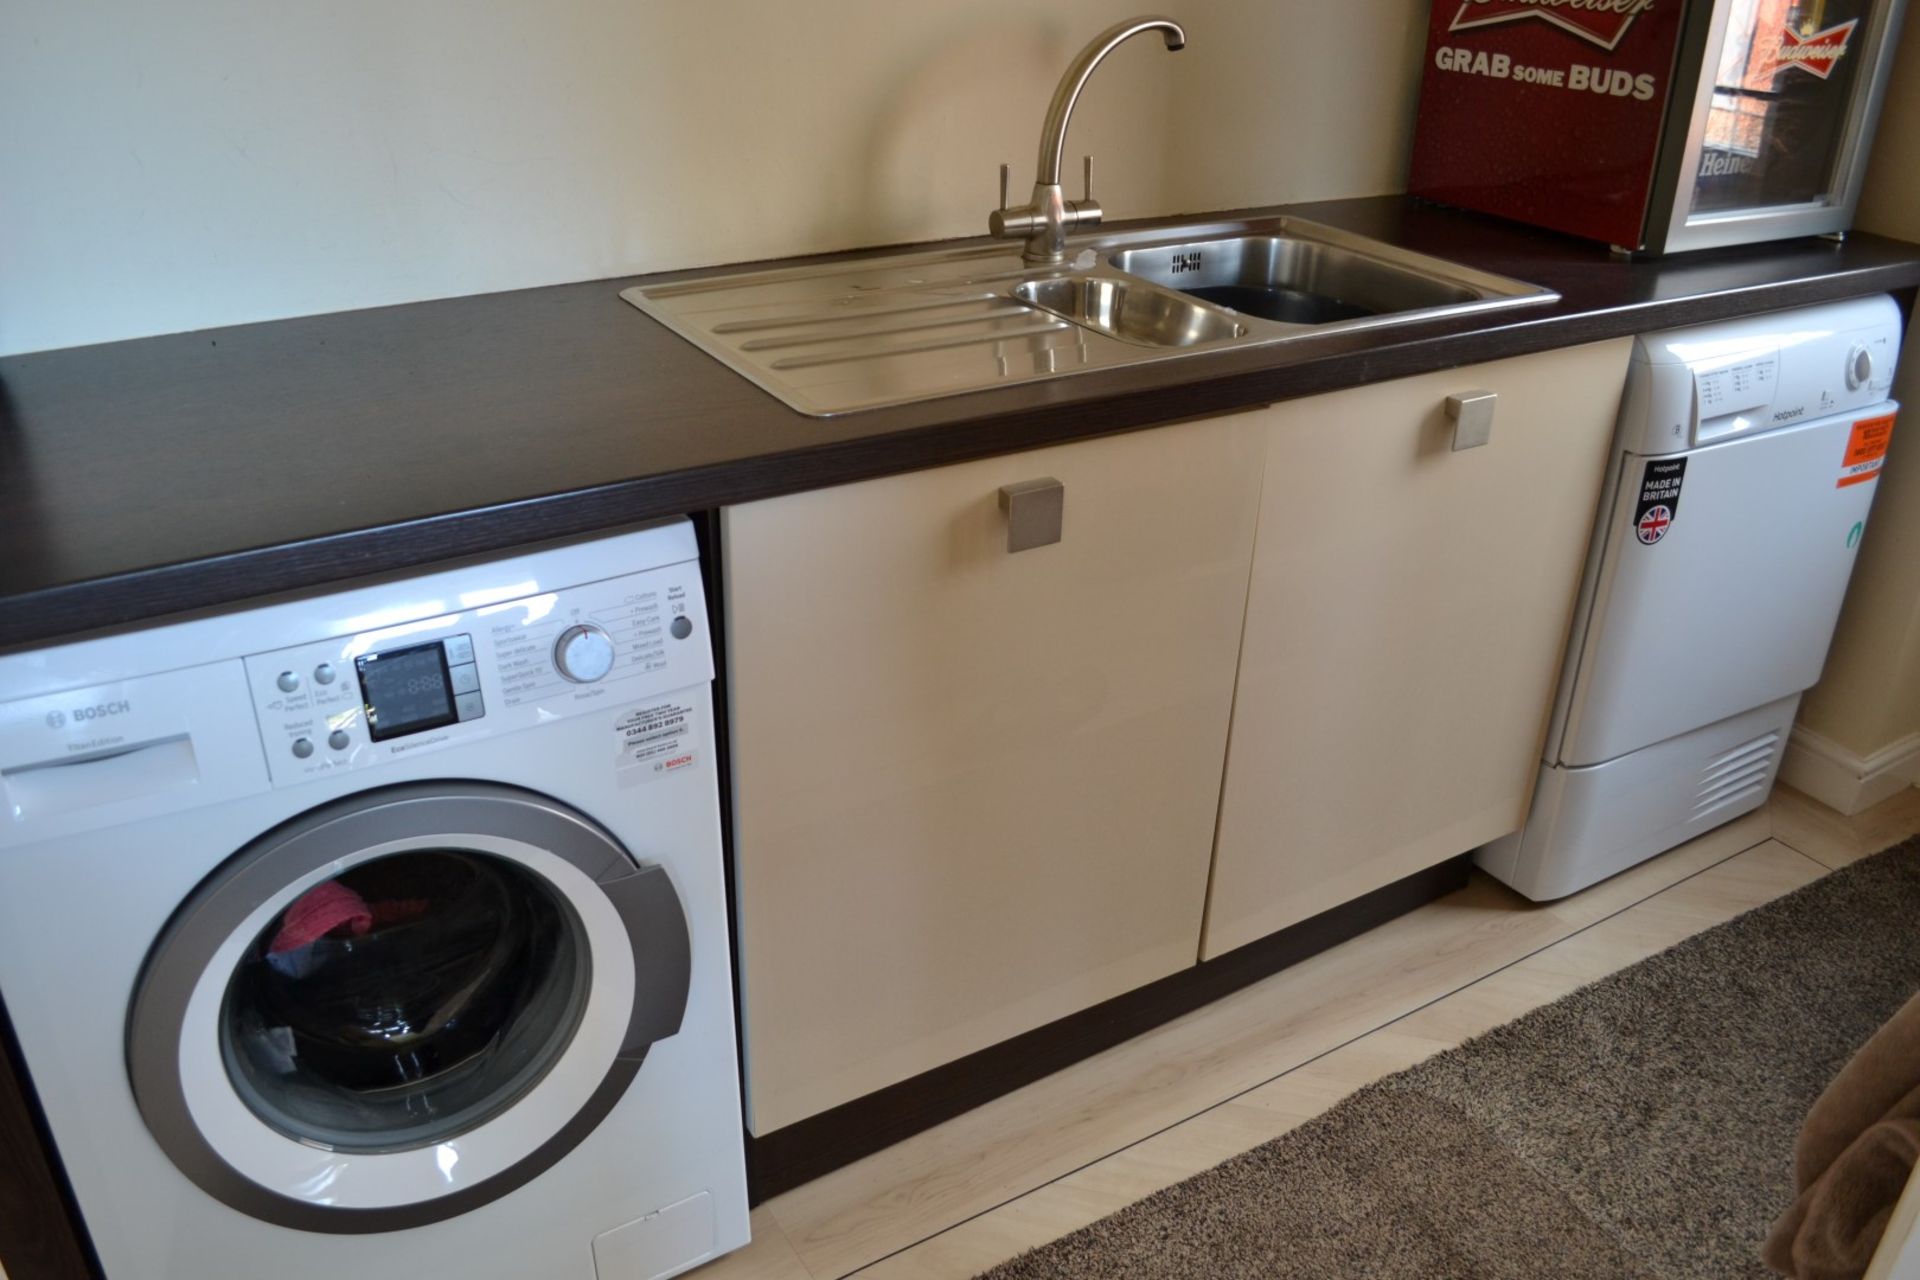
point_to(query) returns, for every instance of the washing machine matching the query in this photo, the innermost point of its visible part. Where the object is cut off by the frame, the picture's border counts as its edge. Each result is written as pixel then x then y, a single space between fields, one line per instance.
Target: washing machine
pixel 1744 469
pixel 383 932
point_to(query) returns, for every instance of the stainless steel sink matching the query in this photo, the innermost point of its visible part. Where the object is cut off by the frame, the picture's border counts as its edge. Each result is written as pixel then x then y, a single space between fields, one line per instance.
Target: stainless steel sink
pixel 1290 281
pixel 1130 310
pixel 1294 275
pixel 894 329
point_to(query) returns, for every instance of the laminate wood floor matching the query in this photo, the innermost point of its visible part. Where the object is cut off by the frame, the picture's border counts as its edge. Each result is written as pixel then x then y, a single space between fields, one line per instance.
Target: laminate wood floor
pixel 1071 1148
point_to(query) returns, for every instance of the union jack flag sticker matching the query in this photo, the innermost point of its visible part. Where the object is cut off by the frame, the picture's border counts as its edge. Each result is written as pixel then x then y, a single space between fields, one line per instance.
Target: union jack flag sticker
pixel 1654 524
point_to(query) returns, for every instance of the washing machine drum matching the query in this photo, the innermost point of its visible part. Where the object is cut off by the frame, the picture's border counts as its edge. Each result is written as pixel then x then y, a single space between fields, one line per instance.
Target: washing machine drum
pixel 411 996
pixel 403 1005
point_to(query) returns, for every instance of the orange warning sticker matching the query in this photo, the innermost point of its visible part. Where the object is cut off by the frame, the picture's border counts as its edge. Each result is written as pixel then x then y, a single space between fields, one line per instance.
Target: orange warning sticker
pixel 1866 450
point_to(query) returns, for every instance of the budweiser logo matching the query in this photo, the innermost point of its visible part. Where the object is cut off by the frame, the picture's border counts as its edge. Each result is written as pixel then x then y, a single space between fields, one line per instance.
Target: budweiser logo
pixel 1602 22
pixel 1815 54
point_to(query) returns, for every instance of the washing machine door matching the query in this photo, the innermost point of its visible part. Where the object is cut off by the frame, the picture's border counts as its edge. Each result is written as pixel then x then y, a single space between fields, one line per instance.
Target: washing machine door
pixel 403 1005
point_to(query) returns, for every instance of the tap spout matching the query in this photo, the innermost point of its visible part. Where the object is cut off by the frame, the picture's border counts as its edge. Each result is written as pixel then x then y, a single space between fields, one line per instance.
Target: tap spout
pixel 1053 134
pixel 1043 222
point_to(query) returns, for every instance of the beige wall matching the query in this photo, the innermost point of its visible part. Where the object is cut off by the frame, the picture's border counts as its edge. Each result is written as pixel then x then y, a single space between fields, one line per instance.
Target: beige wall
pixel 1870 697
pixel 203 162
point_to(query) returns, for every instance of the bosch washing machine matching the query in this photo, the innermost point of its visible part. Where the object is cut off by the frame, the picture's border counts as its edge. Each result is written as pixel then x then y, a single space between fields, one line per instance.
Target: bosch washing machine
pixel 1746 461
pixel 383 933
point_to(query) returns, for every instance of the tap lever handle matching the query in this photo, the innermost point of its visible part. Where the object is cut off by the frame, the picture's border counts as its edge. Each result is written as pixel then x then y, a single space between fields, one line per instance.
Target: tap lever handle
pixel 1086 178
pixel 1004 170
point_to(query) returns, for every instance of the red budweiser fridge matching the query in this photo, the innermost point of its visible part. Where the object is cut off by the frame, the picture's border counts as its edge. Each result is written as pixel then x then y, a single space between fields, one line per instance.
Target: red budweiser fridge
pixel 1656 125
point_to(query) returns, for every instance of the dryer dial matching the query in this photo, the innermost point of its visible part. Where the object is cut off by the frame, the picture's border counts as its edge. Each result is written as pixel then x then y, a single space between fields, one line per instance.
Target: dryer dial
pixel 1859 368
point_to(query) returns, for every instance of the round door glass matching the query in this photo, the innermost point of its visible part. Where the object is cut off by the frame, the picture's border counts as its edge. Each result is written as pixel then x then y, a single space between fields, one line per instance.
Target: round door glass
pixel 407 1000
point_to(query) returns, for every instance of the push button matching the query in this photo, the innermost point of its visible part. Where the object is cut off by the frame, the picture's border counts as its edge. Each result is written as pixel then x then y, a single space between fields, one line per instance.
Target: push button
pixel 466 678
pixel 468 706
pixel 288 682
pixel 324 673
pixel 339 740
pixel 302 748
pixel 459 650
pixel 681 627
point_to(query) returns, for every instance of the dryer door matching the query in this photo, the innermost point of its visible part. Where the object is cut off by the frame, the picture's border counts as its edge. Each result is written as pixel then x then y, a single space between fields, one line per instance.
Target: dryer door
pixel 1720 582
pixel 403 1005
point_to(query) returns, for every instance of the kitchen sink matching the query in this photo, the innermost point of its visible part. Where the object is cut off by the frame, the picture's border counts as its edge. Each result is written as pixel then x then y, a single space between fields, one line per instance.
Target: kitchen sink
pixel 857 333
pixel 1131 311
pixel 1289 280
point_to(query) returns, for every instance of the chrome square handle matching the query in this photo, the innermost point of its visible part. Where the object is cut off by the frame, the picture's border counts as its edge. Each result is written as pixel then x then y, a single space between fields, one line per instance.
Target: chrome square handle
pixel 1035 512
pixel 1472 414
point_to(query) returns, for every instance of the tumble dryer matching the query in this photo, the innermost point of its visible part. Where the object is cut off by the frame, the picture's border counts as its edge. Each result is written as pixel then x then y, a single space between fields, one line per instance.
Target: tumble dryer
pixel 1747 457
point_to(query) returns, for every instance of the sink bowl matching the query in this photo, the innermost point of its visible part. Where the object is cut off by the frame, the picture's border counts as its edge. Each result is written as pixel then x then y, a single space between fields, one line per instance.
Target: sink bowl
pixel 1290 280
pixel 1131 311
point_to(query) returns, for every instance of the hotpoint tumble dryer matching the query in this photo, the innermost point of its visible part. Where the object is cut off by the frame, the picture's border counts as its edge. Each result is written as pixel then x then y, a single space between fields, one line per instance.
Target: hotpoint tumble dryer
pixel 1747 457
pixel 382 933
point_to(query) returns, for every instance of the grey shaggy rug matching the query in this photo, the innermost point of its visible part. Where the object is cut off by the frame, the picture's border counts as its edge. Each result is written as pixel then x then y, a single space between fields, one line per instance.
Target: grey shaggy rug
pixel 1639 1127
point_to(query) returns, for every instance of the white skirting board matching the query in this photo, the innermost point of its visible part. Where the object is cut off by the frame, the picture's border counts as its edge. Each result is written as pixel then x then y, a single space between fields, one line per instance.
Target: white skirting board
pixel 1844 781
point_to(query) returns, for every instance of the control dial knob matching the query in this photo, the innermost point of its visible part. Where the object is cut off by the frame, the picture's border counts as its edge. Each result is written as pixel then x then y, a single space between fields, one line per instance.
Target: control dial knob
pixel 583 653
pixel 1859 368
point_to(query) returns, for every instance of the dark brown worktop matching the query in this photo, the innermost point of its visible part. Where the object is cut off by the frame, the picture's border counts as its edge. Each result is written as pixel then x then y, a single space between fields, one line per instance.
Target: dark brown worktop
pixel 149 477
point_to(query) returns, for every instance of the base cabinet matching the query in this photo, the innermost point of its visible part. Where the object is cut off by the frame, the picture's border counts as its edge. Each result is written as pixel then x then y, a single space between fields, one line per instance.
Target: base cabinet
pixel 1275 661
pixel 975 789
pixel 1405 625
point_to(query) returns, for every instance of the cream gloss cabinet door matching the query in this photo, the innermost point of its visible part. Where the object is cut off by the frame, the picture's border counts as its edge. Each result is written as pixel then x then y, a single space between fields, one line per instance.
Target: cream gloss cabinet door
pixel 1405 628
pixel 974 789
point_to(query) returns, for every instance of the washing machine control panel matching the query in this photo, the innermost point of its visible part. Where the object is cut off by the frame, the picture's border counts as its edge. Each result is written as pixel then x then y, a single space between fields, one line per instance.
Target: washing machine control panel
pixel 361 700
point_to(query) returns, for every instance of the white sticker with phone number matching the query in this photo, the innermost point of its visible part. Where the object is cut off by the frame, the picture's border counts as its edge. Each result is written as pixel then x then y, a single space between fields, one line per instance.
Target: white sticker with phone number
pixel 654 742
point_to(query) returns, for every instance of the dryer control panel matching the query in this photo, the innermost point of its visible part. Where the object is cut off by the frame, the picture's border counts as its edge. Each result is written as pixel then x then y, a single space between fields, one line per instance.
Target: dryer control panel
pixel 377 695
pixel 1689 387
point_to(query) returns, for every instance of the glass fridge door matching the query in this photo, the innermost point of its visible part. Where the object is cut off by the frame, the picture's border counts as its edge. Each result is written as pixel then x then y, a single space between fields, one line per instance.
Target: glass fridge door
pixel 1782 119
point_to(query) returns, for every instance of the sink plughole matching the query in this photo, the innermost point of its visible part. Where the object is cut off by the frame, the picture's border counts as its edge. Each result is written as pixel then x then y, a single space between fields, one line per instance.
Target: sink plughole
pixel 895 329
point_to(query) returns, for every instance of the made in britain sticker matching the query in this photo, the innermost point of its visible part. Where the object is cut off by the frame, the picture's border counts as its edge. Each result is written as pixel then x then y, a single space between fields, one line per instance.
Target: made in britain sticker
pixel 1659 504
pixel 653 742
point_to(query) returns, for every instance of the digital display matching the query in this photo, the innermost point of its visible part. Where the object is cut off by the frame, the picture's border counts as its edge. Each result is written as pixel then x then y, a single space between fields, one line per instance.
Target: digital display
pixel 406 690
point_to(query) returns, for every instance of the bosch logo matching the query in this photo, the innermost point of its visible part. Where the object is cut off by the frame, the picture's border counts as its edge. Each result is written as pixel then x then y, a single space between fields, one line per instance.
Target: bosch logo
pixel 56 719
pixel 99 710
